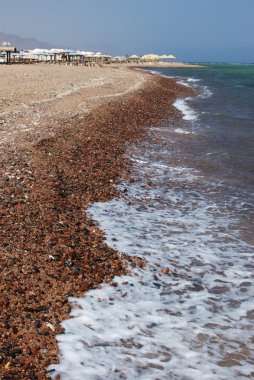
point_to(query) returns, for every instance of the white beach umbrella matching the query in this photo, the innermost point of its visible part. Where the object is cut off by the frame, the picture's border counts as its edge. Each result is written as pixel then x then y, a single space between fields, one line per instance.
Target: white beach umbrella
pixel 120 58
pixel 87 54
pixel 171 57
pixel 56 51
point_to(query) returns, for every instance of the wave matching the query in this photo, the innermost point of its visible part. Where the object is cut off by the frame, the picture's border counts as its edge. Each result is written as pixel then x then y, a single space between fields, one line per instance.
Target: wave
pixel 178 317
pixel 182 131
pixel 205 92
pixel 188 113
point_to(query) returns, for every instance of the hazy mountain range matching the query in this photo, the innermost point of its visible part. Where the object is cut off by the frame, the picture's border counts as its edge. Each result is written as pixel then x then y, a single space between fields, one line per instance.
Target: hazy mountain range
pixel 23 43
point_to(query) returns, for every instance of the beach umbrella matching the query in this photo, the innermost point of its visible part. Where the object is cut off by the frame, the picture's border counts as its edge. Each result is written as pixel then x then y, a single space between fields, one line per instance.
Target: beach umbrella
pixel 164 56
pixel 87 53
pixel 153 57
pixel 56 51
pixel 40 51
pixel 134 58
pixel 171 57
pixel 150 57
pixel 71 51
pixel 120 58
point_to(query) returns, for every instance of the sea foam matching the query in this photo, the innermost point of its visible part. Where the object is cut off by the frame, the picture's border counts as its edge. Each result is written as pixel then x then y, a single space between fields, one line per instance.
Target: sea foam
pixel 187 313
pixel 188 113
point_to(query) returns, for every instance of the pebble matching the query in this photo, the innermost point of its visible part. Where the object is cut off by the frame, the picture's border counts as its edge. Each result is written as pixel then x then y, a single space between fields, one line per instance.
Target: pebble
pixel 44 225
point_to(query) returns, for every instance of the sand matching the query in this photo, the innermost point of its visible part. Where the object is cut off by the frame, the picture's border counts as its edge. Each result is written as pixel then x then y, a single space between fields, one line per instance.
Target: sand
pixel 63 133
pixel 30 94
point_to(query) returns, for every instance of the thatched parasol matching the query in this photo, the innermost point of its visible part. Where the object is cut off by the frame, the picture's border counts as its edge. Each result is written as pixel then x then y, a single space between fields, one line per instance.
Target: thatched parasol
pixel 150 57
pixel 164 56
pixel 171 57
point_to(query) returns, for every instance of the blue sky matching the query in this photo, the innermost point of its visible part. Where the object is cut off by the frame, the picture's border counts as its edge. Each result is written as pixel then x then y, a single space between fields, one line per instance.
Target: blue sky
pixel 193 30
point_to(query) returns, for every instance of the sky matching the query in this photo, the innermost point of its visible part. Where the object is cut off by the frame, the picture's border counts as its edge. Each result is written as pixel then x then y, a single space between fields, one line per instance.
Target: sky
pixel 192 30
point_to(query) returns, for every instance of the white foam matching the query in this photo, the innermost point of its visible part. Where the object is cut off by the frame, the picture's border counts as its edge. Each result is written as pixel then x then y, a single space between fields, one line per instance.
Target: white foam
pixel 182 131
pixel 188 113
pixel 194 80
pixel 184 83
pixel 205 92
pixel 182 325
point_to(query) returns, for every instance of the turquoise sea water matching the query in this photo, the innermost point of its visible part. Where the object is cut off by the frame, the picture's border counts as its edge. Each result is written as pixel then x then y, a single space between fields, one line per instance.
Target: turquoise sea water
pixel 225 118
pixel 221 120
pixel 187 209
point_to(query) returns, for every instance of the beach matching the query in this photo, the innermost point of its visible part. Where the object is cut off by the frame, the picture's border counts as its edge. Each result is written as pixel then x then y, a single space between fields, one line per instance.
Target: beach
pixel 63 134
pixel 186 210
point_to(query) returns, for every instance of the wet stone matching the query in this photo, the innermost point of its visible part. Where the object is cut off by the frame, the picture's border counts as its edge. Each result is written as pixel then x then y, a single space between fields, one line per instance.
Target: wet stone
pixel 250 314
pixel 46 223
pixel 219 290
pixel 229 363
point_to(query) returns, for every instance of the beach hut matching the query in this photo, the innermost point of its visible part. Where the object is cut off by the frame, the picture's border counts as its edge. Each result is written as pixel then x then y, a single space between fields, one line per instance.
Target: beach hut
pixel 2 57
pixel 55 55
pixel 7 49
pixel 41 55
pixel 88 57
pixel 67 55
pixel 107 58
pixel 97 58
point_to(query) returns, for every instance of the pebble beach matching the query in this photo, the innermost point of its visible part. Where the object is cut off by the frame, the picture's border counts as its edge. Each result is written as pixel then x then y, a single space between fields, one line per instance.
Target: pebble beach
pixel 63 137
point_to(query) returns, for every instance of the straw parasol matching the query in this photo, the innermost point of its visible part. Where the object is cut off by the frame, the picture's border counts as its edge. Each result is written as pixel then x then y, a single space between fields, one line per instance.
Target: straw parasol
pixel 134 58
pixel 121 58
pixel 170 56
pixel 164 56
pixel 150 57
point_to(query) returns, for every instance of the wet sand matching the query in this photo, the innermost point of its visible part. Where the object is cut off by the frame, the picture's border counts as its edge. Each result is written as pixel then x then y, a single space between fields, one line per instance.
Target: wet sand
pixel 63 134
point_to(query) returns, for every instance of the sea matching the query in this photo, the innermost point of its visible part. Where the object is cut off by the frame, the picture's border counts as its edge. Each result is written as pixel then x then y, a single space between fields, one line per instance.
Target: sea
pixel 187 210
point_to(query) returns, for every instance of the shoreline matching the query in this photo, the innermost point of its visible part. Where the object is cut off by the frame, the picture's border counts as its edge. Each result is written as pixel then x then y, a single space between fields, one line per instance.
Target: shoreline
pixel 50 249
pixel 172 65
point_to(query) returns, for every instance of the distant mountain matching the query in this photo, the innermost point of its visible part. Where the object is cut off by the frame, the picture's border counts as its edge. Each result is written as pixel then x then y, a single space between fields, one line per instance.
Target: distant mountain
pixel 22 43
